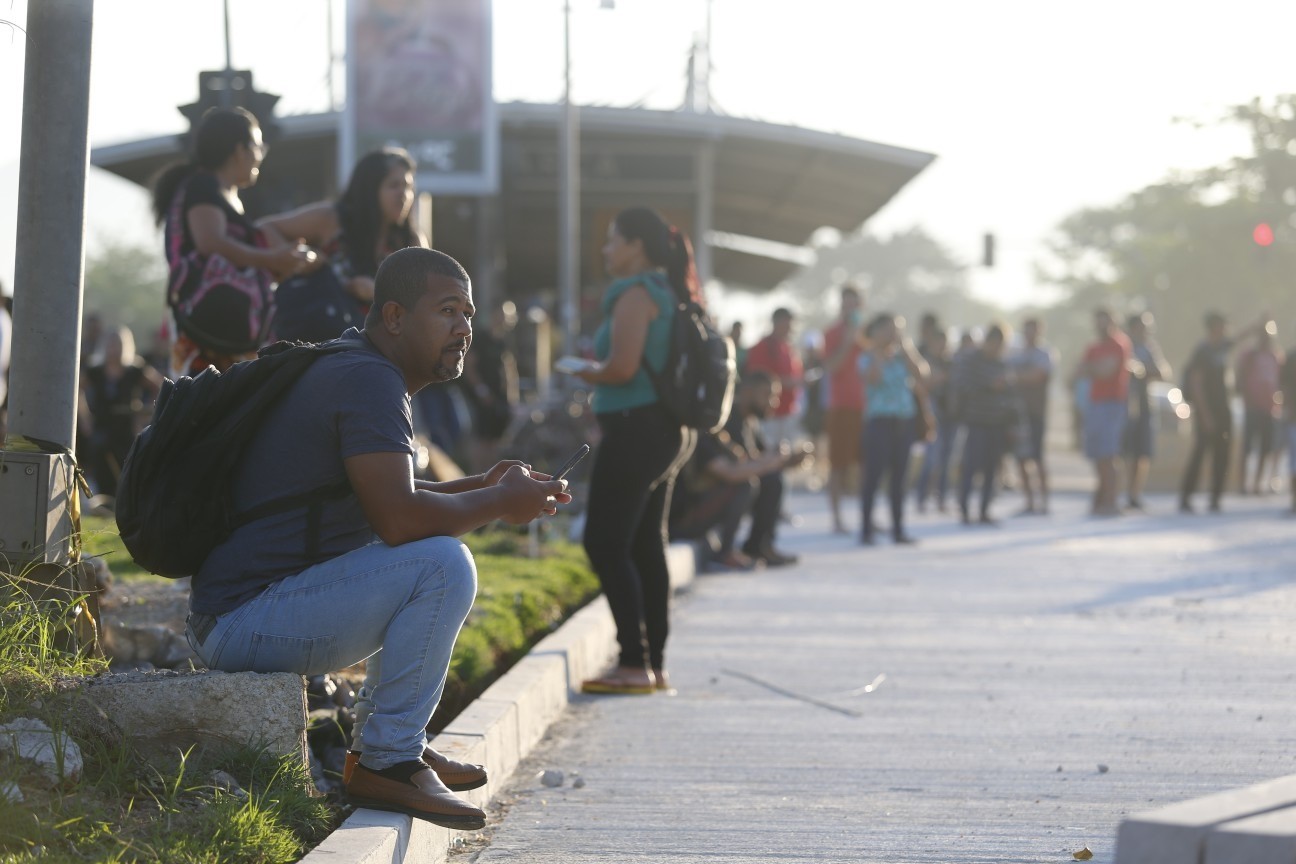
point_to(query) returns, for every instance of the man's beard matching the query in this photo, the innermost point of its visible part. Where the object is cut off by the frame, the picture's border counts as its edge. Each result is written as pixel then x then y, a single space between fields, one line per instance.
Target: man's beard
pixel 448 373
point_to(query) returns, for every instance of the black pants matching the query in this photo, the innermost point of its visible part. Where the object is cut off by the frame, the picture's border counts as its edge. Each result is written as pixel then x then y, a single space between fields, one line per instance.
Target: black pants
pixel 982 453
pixel 1217 442
pixel 720 509
pixel 887 441
pixel 765 514
pixel 625 529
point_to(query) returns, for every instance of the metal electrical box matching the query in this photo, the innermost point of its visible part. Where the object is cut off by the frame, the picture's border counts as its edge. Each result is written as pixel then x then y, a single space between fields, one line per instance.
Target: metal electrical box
pixel 35 519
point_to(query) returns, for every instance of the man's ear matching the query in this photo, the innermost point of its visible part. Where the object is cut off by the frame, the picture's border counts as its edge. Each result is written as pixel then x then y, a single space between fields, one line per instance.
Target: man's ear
pixel 393 317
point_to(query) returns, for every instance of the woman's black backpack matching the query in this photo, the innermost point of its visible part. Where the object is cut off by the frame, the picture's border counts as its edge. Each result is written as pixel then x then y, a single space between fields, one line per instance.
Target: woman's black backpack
pixel 175 494
pixel 696 385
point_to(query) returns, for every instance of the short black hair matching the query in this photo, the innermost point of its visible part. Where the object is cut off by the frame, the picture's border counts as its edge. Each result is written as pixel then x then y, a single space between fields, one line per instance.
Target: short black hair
pixel 755 378
pixel 403 277
pixel 782 312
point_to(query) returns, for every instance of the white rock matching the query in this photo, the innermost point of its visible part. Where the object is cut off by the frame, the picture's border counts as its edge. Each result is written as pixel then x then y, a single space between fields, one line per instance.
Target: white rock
pixel 552 778
pixel 54 753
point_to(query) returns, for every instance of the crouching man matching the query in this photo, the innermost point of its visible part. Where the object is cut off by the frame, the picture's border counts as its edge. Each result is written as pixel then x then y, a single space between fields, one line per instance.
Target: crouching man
pixel 374 572
pixel 734 473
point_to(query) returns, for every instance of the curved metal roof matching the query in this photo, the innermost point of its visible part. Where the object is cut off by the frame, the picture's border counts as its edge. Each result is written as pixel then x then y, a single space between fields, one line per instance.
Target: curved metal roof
pixel 768 181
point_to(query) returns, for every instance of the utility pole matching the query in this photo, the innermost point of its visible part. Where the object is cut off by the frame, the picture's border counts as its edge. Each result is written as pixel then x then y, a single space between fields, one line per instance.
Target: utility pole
pixel 227 92
pixel 37 471
pixel 568 201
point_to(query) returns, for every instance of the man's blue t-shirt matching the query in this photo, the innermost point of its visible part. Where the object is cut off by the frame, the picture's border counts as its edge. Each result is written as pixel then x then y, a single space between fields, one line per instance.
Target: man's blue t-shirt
pixel 346 404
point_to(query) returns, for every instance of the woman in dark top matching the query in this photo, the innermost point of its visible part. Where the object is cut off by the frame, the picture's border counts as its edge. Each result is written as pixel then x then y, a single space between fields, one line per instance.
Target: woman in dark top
pixel 643 446
pixel 203 191
pixel 369 222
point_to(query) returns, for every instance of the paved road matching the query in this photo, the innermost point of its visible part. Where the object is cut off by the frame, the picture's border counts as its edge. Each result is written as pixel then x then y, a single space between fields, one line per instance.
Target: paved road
pixel 1017 660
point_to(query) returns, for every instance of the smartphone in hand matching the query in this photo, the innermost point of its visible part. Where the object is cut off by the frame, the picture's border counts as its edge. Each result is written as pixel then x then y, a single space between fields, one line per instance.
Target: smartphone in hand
pixel 570 365
pixel 580 454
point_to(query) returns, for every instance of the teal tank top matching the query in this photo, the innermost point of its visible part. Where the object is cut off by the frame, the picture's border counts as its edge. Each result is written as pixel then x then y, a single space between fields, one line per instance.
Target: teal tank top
pixel 638 390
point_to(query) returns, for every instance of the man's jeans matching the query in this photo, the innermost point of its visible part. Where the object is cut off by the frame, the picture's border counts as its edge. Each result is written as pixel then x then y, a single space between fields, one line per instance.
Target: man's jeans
pixel 401 607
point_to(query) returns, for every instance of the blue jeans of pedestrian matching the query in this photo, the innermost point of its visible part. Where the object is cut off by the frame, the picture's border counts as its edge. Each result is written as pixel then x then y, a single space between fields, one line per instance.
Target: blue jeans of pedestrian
pixel 935 464
pixel 399 607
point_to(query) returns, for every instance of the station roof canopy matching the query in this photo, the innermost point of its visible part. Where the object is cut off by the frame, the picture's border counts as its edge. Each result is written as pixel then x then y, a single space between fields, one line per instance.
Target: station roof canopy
pixel 768 182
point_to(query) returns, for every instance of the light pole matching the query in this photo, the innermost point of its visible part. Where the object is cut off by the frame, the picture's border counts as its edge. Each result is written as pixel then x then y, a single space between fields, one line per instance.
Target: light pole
pixel 568 200
pixel 569 220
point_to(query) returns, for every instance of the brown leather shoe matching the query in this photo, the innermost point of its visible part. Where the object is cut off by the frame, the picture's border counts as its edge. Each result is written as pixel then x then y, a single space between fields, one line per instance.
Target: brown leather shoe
pixel 424 796
pixel 457 776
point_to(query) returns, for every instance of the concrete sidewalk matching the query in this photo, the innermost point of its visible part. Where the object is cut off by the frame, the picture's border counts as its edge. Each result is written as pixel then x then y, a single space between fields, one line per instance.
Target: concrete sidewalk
pixel 1017 661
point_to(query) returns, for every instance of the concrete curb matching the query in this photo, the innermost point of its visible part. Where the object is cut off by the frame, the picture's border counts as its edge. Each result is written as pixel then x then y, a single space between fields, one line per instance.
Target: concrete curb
pixel 497 730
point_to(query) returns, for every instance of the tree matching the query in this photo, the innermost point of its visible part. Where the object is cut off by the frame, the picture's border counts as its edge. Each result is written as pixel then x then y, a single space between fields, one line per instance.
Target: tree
pixel 908 272
pixel 1185 246
pixel 125 285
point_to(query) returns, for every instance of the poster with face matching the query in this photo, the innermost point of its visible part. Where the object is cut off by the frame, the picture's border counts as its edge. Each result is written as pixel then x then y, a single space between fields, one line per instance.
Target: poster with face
pixel 419 77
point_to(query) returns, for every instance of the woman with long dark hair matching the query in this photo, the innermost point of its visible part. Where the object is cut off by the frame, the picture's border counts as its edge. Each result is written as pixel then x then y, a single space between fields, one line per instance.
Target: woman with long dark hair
pixel 197 201
pixel 642 447
pixel 369 222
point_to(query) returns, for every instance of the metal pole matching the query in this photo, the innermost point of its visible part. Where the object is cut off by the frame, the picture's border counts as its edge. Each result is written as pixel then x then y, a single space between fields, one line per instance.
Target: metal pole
pixel 50 259
pixel 569 200
pixel 704 210
pixel 332 59
pixel 704 89
pixel 227 92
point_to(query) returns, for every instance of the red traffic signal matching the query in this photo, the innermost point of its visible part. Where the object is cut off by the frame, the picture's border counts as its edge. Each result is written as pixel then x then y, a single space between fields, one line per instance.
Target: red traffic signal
pixel 1263 235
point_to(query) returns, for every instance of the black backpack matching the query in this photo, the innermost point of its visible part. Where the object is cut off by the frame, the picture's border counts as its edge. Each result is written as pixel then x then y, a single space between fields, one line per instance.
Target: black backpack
pixel 697 383
pixel 315 307
pixel 175 495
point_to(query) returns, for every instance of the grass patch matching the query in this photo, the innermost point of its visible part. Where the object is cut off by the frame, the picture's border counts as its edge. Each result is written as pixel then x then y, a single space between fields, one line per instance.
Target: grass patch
pixel 129 812
pixel 122 808
pixel 99 539
pixel 520 600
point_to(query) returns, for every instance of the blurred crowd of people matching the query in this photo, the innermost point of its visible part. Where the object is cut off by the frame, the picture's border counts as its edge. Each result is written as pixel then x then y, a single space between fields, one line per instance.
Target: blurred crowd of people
pixel 972 408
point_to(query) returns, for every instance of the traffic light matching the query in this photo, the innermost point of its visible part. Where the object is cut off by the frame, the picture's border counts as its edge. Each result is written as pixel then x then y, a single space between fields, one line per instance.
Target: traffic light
pixel 231 88
pixel 988 250
pixel 1263 234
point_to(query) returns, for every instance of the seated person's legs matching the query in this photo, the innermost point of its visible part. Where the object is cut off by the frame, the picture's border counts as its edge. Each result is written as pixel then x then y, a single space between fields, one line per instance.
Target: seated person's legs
pixel 408 602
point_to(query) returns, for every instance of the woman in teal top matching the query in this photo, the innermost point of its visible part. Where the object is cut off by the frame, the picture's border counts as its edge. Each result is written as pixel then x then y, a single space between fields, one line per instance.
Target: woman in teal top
pixel 642 446
pixel 893 374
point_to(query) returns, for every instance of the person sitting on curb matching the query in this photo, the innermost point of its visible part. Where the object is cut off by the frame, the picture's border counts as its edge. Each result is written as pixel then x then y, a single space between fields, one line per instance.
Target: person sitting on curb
pixel 730 473
pixel 376 574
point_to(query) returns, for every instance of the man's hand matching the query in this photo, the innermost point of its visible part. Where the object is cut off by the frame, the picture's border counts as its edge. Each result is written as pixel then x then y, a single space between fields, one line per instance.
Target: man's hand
pixel 491 477
pixel 529 496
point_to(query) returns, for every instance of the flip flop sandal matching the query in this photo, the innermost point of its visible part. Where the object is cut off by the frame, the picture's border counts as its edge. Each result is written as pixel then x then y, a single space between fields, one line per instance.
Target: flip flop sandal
pixel 615 687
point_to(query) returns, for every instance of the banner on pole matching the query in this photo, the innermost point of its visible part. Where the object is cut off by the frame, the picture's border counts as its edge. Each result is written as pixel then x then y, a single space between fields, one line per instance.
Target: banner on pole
pixel 419 77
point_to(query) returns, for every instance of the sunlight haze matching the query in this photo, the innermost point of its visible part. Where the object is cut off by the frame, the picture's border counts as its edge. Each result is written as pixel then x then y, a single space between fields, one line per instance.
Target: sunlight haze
pixel 1033 109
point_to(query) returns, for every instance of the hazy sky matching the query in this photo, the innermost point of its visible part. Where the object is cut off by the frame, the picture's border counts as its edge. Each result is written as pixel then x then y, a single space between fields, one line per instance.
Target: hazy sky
pixel 1035 108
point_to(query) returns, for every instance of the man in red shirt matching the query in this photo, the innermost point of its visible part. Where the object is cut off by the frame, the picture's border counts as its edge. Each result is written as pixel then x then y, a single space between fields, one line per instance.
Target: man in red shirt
pixel 845 418
pixel 775 356
pixel 1106 364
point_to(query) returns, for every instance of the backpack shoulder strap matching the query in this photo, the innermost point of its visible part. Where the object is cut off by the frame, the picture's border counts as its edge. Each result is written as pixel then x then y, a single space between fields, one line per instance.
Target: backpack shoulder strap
pixel 175 217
